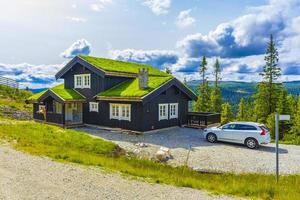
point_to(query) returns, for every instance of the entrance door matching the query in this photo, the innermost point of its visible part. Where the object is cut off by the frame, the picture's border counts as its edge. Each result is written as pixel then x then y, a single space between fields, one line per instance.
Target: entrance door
pixel 73 114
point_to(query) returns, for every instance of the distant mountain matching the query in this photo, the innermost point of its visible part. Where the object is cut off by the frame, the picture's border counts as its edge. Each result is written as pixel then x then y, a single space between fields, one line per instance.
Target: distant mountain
pixel 37 90
pixel 233 91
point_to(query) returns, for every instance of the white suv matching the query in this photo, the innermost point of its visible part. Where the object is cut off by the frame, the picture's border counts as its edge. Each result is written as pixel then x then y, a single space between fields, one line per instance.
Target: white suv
pixel 249 133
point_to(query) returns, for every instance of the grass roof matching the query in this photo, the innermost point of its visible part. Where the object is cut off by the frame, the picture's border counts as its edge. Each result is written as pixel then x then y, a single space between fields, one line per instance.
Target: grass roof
pixel 109 65
pixel 131 88
pixel 60 91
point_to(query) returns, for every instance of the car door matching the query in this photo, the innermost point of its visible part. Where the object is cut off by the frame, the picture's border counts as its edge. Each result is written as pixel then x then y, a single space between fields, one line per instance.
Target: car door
pixel 226 132
pixel 242 131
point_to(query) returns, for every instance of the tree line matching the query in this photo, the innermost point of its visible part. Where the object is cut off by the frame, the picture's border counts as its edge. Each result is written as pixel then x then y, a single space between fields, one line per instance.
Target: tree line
pixel 269 98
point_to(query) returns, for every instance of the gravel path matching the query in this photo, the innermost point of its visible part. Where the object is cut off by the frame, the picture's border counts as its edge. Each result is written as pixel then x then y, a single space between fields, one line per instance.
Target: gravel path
pixel 23 176
pixel 223 157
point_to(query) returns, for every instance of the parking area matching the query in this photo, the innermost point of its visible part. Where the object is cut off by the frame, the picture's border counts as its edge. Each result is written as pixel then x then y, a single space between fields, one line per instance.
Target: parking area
pixel 217 157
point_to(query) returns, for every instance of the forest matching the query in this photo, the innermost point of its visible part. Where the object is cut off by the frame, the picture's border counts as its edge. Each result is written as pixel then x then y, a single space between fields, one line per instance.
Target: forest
pixel 257 102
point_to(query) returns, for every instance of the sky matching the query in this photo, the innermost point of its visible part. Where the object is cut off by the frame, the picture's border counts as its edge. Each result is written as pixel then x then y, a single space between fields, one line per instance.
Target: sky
pixel 39 37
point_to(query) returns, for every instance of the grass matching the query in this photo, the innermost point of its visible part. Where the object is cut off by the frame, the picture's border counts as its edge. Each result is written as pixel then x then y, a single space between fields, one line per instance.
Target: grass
pixel 73 146
pixel 131 88
pixel 59 90
pixel 14 98
pixel 120 66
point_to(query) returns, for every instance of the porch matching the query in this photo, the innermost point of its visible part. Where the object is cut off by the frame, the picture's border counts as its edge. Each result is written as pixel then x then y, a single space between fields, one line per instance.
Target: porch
pixel 66 114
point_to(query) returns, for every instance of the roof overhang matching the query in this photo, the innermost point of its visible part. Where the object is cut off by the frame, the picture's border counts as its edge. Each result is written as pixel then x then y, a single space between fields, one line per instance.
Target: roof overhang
pixel 129 99
pixel 85 64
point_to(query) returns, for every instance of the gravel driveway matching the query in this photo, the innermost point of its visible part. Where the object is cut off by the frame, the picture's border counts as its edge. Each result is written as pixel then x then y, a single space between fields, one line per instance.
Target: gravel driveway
pixel 222 157
pixel 23 176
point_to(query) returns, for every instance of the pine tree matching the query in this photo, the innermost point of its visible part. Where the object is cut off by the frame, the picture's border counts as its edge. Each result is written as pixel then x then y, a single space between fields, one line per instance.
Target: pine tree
pixel 203 101
pixel 226 113
pixel 168 70
pixel 271 72
pixel 216 96
pixel 241 114
pixel 184 81
pixel 295 129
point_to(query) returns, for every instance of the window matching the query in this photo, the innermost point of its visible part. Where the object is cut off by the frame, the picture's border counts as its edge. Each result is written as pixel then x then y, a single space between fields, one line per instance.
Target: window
pixel 162 111
pixel 120 111
pixel 93 107
pixel 82 81
pixel 173 110
pixel 229 126
pixel 42 107
pixel 245 127
pixel 57 107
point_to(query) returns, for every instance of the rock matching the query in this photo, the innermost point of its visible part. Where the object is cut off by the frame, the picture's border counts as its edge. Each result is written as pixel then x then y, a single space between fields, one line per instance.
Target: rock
pixel 163 154
pixel 141 144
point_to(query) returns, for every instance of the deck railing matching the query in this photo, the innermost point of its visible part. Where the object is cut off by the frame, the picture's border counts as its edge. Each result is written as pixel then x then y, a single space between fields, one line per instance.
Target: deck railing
pixel 9 82
pixel 203 119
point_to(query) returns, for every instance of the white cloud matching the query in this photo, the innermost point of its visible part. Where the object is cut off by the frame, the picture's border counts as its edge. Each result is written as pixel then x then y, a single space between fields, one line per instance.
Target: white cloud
pixel 76 19
pixel 80 47
pixel 184 19
pixel 32 76
pixel 158 7
pixel 99 5
pixel 157 58
pixel 74 5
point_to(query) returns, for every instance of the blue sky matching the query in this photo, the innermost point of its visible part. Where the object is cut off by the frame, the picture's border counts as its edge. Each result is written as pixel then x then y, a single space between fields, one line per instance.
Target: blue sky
pixel 39 37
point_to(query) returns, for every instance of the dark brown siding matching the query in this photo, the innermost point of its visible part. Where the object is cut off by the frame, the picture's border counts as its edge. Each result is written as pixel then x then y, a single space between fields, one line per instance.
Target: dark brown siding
pixel 98 84
pixel 102 117
pixel 171 95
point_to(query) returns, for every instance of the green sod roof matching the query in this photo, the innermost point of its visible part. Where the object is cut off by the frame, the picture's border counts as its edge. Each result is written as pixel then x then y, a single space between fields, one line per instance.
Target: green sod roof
pixel 60 91
pixel 131 88
pixel 109 65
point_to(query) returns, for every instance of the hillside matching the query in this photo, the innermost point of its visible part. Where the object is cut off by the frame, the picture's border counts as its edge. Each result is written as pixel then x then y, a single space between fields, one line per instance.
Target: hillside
pixel 232 91
pixel 12 102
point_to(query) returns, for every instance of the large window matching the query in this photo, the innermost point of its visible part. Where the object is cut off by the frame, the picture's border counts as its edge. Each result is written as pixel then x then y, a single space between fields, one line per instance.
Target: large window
pixel 173 110
pixel 57 107
pixel 162 111
pixel 94 107
pixel 82 81
pixel 120 111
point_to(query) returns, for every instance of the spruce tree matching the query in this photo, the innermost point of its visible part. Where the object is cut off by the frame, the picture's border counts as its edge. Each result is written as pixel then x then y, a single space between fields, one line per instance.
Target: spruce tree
pixel 216 96
pixel 226 113
pixel 241 114
pixel 271 72
pixel 203 101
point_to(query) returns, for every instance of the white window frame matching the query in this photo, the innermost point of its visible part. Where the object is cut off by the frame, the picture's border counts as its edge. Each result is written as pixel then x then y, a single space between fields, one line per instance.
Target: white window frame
pixel 173 110
pixel 42 106
pixel 120 111
pixel 85 81
pixel 164 106
pixel 94 107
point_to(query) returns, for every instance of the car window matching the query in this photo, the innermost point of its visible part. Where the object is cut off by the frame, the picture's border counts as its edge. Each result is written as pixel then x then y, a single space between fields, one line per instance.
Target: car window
pixel 229 126
pixel 245 127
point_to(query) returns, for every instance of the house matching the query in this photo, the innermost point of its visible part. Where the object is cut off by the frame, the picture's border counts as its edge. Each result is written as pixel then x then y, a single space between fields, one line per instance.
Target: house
pixel 113 93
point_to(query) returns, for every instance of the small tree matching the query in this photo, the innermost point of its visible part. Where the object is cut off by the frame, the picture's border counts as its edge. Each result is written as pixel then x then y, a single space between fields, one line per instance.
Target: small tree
pixel 295 129
pixel 203 101
pixel 168 70
pixel 216 96
pixel 226 113
pixel 241 114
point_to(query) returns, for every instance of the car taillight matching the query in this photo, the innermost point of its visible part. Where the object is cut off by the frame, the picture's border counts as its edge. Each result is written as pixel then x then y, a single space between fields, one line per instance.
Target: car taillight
pixel 263 131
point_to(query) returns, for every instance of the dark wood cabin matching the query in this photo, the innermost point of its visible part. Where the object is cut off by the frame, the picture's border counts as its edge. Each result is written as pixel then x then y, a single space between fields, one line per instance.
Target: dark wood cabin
pixel 115 94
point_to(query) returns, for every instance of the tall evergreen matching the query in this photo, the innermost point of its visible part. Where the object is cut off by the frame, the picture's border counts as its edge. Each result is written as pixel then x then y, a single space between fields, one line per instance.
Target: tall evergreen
pixel 203 101
pixel 216 96
pixel 271 72
pixel 267 92
pixel 226 113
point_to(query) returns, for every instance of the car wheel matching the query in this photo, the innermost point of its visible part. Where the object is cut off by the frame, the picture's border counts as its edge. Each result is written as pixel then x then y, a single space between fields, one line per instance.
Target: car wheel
pixel 211 137
pixel 251 143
